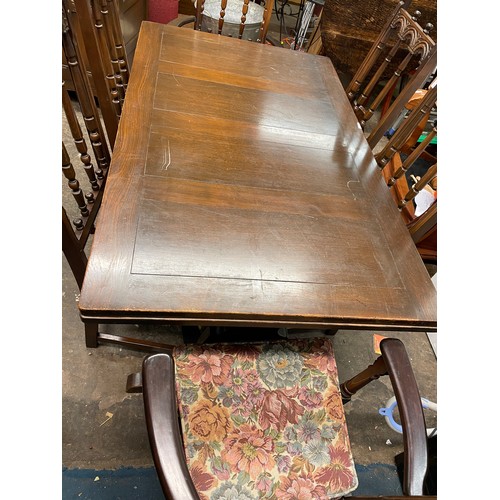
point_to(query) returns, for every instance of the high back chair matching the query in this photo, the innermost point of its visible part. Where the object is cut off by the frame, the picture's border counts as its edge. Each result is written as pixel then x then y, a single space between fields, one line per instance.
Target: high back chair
pixel 244 19
pixel 93 48
pixel 415 196
pixel 404 52
pixel 266 420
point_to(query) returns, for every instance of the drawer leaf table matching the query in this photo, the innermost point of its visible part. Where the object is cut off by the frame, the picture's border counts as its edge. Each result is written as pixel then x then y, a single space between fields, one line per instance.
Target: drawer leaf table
pixel 242 192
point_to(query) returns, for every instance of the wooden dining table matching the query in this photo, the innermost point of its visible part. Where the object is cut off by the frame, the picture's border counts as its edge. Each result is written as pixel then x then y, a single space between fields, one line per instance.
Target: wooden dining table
pixel 242 192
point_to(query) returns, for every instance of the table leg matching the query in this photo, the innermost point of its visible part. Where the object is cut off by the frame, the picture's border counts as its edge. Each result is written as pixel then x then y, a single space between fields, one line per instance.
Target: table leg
pixel 91 332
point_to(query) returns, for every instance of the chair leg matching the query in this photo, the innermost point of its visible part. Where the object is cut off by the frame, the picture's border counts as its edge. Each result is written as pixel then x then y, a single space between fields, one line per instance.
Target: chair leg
pixel 353 385
pixel 75 256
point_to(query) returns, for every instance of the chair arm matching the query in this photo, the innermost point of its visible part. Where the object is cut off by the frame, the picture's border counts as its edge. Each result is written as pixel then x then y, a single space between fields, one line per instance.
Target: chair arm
pixel 411 413
pixel 160 405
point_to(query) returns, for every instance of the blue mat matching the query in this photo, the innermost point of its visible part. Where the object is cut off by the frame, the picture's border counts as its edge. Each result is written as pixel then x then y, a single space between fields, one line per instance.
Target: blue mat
pixel 131 483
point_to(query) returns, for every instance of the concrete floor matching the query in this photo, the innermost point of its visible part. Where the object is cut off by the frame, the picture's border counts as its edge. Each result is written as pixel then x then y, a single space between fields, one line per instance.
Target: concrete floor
pixel 103 427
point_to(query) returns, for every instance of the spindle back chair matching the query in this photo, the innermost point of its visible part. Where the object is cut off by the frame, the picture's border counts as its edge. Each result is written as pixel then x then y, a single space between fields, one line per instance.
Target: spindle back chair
pixel 244 19
pixel 403 52
pixel 93 47
pixel 397 157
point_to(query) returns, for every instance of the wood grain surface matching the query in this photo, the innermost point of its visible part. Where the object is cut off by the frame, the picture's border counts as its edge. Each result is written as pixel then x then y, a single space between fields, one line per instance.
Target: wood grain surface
pixel 242 191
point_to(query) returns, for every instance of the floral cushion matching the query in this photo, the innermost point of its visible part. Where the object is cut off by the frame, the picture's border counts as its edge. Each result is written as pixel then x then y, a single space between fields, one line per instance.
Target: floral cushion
pixel 264 420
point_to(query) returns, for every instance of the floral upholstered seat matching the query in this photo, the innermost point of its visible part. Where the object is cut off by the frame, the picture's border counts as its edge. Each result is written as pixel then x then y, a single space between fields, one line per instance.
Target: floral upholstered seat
pixel 264 420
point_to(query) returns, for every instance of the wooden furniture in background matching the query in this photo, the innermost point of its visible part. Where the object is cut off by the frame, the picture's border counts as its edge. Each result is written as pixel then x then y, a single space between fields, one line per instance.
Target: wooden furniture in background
pixel 348 29
pixel 241 196
pixel 164 407
pixel 370 86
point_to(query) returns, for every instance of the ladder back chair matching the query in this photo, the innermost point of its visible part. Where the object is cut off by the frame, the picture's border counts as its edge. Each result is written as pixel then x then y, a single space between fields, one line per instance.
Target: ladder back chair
pixel 267 420
pixel 403 52
pixel 415 196
pixel 92 44
pixel 243 19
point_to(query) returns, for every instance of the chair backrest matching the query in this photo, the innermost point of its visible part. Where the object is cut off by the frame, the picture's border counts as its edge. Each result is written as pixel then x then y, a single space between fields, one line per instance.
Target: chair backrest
pixel 404 52
pixel 92 45
pixel 415 194
pixel 244 19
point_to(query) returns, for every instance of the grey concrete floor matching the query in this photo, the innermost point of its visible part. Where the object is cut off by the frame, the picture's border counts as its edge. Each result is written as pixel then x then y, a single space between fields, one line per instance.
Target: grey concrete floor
pixel 103 427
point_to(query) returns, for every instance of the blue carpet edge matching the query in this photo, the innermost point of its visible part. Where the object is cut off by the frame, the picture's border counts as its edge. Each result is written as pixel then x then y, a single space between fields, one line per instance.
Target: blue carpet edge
pixel 128 483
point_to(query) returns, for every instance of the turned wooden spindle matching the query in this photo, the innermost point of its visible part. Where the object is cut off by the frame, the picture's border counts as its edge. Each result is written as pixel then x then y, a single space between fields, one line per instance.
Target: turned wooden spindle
pixel 222 13
pixel 107 25
pixel 359 109
pixel 85 97
pixel 244 11
pixel 419 185
pixel 200 7
pixel 412 157
pixel 388 86
pixel 79 140
pixel 264 25
pixel 405 130
pixel 79 225
pixel 117 36
pixel 109 59
pixel 89 197
pixel 373 55
pixel 74 185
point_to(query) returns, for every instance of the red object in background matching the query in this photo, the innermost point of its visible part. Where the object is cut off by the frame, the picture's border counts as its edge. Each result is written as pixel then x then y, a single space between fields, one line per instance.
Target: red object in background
pixel 162 11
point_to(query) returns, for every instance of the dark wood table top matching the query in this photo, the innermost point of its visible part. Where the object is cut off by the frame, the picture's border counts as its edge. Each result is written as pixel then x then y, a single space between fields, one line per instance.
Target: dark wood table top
pixel 242 192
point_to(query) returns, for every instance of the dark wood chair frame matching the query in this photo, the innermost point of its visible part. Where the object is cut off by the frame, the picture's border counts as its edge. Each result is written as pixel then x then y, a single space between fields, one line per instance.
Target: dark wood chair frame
pixel 157 383
pixel 423 229
pixel 409 35
pixel 92 28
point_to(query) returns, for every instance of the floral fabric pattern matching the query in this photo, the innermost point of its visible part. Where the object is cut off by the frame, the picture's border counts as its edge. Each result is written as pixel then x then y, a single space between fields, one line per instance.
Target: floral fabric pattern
pixel 264 421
